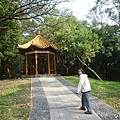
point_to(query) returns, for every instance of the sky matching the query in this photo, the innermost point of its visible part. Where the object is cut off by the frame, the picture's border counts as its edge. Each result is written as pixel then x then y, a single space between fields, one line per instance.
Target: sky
pixel 79 7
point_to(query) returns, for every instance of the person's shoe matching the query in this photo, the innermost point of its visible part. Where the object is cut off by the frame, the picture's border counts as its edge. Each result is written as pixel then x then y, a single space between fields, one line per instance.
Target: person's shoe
pixel 88 112
pixel 82 108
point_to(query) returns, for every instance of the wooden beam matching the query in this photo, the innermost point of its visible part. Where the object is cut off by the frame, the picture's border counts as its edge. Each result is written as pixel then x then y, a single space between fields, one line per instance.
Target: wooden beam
pixel 54 64
pixel 33 52
pixel 36 64
pixel 26 65
pixel 48 63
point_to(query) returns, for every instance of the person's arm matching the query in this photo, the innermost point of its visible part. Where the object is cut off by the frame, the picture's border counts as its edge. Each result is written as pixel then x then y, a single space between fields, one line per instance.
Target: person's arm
pixel 80 84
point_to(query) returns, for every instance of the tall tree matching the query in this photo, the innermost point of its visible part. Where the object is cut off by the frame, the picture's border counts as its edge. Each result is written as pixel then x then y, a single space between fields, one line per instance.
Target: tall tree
pixel 105 16
pixel 10 37
pixel 106 10
pixel 29 27
pixel 27 9
pixel 108 57
pixel 85 45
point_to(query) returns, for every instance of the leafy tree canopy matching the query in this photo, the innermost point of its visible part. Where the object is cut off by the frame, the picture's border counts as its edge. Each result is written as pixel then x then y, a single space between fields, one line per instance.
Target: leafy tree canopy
pixel 106 10
pixel 27 9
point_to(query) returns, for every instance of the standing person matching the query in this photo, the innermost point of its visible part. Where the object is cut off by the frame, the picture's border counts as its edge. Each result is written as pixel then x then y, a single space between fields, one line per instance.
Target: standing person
pixel 84 88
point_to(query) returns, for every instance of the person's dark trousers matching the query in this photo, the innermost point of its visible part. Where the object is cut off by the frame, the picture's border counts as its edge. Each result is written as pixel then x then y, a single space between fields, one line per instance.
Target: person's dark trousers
pixel 86 101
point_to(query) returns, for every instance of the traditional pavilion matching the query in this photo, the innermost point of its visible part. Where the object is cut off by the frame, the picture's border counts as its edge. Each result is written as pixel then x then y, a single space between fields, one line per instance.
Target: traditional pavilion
pixel 39 56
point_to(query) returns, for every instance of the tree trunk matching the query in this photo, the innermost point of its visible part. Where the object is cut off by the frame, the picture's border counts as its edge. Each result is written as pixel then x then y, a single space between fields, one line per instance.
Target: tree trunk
pixel 66 66
pixel 0 62
pixel 67 69
pixel 8 72
pixel 89 68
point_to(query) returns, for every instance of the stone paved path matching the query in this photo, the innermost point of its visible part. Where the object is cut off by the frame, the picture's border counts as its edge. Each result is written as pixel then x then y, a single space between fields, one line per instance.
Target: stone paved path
pixel 103 110
pixel 54 101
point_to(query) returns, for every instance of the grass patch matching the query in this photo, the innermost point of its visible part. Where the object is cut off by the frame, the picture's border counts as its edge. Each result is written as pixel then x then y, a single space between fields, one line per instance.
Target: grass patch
pixel 15 99
pixel 107 91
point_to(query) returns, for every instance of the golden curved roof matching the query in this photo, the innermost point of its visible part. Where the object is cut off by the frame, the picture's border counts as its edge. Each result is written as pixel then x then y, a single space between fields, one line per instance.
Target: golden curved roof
pixel 39 42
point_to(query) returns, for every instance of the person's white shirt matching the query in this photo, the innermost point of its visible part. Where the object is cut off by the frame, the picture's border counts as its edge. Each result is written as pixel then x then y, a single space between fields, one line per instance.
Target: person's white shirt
pixel 84 84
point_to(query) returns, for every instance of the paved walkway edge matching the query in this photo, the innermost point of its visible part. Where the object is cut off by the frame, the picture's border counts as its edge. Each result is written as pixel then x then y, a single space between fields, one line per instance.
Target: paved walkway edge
pixel 39 104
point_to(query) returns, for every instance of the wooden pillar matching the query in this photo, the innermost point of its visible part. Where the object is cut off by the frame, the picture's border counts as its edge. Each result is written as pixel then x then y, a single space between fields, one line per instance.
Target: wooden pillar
pixel 48 63
pixel 36 64
pixel 26 65
pixel 54 64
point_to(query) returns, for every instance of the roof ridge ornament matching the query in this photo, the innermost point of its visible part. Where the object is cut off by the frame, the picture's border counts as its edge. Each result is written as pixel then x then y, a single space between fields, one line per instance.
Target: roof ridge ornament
pixel 38 32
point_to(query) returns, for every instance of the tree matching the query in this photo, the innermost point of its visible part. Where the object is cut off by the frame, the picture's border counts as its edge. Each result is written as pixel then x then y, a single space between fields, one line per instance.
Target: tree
pixel 105 16
pixel 27 9
pixel 108 57
pixel 65 60
pixel 106 10
pixel 29 27
pixel 10 37
pixel 86 45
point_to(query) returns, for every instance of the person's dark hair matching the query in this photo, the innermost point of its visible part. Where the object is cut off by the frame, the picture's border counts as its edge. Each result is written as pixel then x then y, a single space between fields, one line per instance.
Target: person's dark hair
pixel 82 70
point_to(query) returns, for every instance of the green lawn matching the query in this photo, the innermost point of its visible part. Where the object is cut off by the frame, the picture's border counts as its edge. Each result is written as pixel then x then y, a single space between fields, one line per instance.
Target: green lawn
pixel 15 99
pixel 107 91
